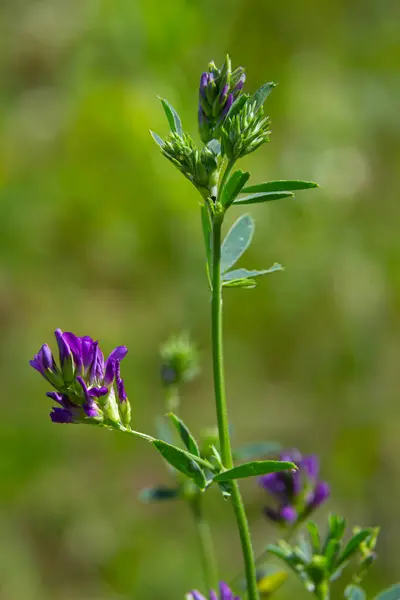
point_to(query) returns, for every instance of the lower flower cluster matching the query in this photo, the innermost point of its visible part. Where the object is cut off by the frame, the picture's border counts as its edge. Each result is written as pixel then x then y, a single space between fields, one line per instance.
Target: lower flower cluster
pixel 87 387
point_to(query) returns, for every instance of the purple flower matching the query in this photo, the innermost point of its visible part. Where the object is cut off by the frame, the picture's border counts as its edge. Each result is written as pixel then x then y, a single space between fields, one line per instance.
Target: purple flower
pixel 44 362
pixel 84 382
pixel 225 593
pixel 296 494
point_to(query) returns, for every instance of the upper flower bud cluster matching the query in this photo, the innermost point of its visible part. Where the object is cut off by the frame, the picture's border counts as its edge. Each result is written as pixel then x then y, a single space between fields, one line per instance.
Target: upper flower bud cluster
pixel 219 88
pixel 297 493
pixel 84 381
pixel 199 166
pixel 245 130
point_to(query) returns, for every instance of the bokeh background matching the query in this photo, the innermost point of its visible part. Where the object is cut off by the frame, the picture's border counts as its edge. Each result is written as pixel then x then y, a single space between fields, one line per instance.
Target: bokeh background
pixel 100 235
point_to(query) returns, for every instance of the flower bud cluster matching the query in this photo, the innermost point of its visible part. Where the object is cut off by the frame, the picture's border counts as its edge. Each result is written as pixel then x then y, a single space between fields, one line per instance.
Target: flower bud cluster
pixel 179 360
pixel 199 166
pixel 244 131
pixel 219 88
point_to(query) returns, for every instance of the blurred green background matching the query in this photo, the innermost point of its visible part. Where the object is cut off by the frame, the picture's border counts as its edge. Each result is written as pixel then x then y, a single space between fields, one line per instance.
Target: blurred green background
pixel 101 235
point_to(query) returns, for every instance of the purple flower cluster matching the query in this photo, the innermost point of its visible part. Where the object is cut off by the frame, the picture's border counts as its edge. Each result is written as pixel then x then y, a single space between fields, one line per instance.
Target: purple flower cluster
pixel 219 88
pixel 297 493
pixel 83 380
pixel 224 594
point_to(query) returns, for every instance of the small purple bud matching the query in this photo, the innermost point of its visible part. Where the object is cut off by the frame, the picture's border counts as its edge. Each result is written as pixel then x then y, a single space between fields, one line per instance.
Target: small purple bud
pixel 55 396
pixel 91 410
pixel 202 116
pixel 87 345
pixel 117 354
pixel 203 83
pixel 197 596
pixel 225 592
pixel 224 94
pixel 228 104
pixel 239 86
pixel 120 383
pixel 43 360
pixel 109 371
pixel 274 484
pixel 288 514
pixel 321 493
pixel 97 366
pixel 310 465
pixel 63 347
pixel 61 415
pixel 89 407
pixel 97 392
pixel 75 344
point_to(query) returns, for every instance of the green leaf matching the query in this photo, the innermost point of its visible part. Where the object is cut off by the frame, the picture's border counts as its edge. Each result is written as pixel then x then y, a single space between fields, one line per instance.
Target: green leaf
pixel 262 94
pixel 172 116
pixel 314 536
pixel 252 469
pixel 185 435
pixel 236 241
pixel 245 273
pixel 233 187
pixel 256 450
pixel 182 461
pixel 337 527
pixel 353 545
pixel 331 553
pixel 159 493
pixel 354 592
pixel 392 593
pixel 280 186
pixel 262 197
pixel 157 138
pixel 247 284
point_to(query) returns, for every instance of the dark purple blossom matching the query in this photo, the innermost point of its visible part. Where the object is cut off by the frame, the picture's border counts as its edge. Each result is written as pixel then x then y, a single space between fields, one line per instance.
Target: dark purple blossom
pixel 84 382
pixel 297 493
pixel 225 593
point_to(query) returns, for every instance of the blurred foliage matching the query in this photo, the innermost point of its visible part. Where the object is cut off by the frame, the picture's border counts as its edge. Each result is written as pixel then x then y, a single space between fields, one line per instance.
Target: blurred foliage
pixel 101 235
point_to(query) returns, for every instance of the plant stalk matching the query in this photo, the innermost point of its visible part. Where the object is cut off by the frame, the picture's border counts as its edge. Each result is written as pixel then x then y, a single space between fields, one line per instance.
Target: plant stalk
pixel 222 413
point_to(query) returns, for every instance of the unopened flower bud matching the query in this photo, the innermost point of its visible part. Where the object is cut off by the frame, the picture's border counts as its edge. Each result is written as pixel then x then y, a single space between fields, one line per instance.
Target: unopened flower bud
pixel 219 88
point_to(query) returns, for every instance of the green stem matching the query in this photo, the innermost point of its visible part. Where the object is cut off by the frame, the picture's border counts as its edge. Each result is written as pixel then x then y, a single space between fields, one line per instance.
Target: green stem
pixel 222 413
pixel 206 545
pixel 322 591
